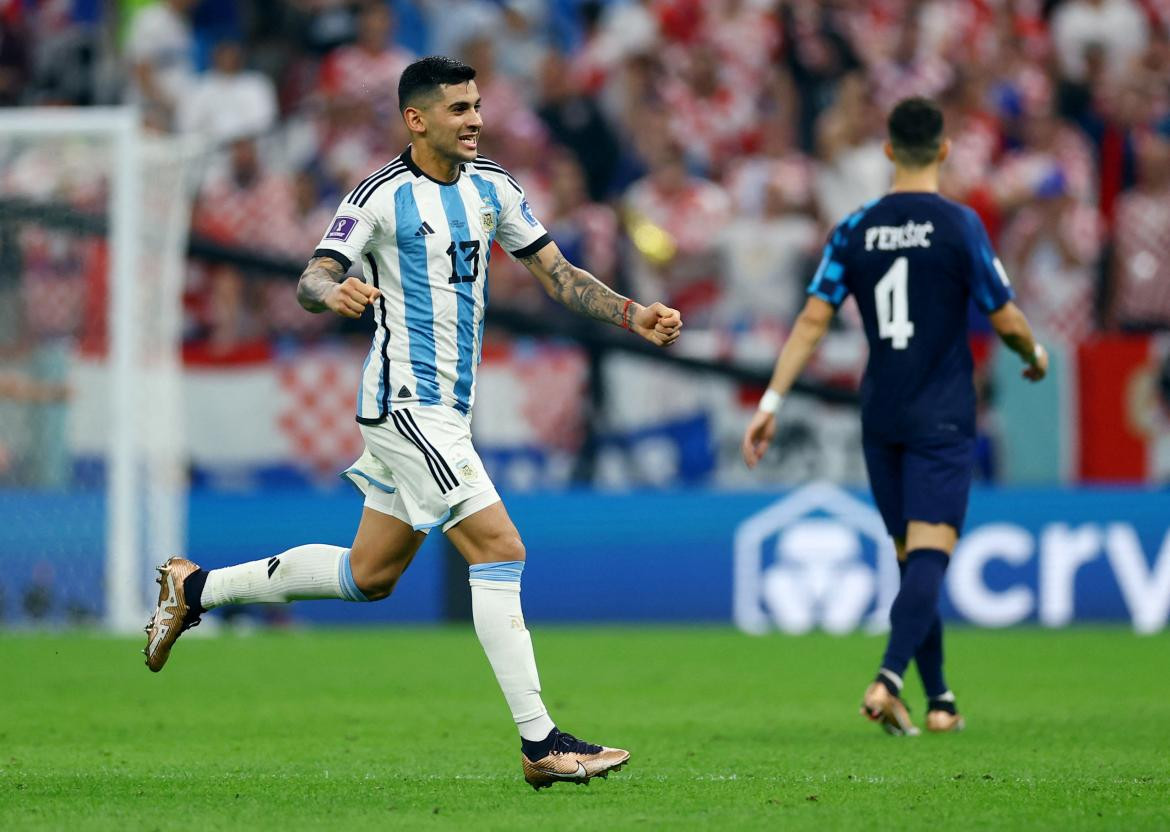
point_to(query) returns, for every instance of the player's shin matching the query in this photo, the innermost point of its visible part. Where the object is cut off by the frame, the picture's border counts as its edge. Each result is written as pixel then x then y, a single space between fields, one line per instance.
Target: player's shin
pixel 914 612
pixel 929 659
pixel 314 571
pixel 499 623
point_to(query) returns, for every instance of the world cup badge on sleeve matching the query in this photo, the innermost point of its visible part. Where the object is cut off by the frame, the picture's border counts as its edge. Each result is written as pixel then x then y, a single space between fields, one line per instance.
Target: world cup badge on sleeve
pixel 341 229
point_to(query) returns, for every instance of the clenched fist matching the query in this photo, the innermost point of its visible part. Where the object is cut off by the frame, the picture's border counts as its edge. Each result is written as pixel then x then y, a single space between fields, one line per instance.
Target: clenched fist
pixel 351 297
pixel 658 324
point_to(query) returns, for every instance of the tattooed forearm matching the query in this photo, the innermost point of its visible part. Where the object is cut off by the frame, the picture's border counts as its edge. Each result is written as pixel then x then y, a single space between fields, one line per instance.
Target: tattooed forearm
pixel 319 277
pixel 580 291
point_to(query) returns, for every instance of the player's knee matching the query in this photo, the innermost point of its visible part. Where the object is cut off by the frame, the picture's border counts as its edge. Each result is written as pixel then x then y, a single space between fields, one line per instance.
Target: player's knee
pixel 504 547
pixel 376 585
pixel 375 580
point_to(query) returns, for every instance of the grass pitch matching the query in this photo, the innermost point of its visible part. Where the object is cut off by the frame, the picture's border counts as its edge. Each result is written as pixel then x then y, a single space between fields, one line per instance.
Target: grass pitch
pixel 405 729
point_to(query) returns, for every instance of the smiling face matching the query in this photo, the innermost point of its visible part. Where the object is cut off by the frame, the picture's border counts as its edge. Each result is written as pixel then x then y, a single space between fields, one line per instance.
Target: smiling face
pixel 448 122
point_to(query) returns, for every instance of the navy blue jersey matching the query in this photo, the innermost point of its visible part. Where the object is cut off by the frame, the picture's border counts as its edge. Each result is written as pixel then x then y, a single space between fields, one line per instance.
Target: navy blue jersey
pixel 914 262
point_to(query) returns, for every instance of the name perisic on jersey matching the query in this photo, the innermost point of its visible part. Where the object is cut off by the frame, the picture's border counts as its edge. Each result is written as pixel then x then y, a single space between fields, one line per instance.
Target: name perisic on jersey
pixel 894 237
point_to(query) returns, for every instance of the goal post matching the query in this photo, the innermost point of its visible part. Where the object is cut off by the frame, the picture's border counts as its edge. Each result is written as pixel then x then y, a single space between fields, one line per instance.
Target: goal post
pixel 120 213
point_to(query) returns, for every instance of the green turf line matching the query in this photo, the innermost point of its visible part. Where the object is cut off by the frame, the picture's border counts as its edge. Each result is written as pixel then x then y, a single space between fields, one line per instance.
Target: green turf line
pixel 404 728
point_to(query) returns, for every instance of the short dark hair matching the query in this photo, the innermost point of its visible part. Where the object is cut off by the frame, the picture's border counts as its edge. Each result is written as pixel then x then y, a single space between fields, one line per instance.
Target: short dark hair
pixel 424 77
pixel 916 131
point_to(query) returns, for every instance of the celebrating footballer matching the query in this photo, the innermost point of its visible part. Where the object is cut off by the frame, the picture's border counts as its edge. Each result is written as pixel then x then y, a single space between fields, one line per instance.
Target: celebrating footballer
pixel 422 229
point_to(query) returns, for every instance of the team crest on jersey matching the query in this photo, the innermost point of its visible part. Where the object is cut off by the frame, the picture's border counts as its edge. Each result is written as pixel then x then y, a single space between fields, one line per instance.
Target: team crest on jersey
pixel 487 215
pixel 468 471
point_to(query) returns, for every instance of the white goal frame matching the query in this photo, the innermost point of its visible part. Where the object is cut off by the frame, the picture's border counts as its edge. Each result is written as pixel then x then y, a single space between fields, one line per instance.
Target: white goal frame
pixel 125 567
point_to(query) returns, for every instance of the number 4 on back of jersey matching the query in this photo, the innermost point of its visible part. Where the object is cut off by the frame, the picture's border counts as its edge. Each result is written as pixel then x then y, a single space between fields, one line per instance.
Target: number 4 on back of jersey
pixel 893 305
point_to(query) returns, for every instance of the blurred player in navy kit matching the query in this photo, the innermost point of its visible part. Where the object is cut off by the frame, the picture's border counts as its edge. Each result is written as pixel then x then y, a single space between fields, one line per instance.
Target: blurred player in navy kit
pixel 913 260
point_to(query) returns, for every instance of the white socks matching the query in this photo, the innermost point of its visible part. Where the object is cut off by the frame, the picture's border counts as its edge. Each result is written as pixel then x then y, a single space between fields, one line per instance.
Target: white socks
pixel 499 623
pixel 302 573
pixel 321 571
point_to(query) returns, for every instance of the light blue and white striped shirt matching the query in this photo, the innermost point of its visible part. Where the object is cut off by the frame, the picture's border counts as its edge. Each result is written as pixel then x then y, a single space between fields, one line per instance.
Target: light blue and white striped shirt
pixel 426 245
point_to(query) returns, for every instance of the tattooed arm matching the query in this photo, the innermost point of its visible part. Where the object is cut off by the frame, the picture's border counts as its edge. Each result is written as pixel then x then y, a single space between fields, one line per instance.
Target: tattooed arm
pixel 319 289
pixel 583 293
pixel 575 288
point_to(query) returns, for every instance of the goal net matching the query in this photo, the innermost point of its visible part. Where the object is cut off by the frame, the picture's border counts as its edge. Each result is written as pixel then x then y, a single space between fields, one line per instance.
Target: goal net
pixel 94 216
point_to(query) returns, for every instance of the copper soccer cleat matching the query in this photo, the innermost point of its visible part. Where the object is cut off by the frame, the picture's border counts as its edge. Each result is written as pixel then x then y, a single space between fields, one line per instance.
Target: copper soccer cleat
pixel 172 616
pixel 572 761
pixel 883 707
pixel 944 722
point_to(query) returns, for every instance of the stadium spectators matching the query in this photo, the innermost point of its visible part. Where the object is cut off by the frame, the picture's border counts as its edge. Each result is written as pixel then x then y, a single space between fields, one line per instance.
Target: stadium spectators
pixel 515 131
pixel 160 51
pixel 577 123
pixel 852 168
pixel 1050 248
pixel 675 221
pixel 225 314
pixel 911 69
pixel 228 102
pixel 1119 28
pixel 1140 267
pixel 612 35
pixel 520 40
pixel 247 204
pixel 587 232
pixel 711 112
pixel 745 36
pixel 713 128
pixel 765 256
pixel 15 61
pixel 818 56
pixel 294 234
pixel 368 69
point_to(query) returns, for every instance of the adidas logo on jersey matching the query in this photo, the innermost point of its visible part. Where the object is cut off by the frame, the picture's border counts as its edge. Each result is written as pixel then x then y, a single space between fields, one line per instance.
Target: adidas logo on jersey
pixel 424 230
pixel 404 392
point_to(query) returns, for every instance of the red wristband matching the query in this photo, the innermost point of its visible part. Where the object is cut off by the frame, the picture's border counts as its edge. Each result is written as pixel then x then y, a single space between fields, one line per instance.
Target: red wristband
pixel 625 316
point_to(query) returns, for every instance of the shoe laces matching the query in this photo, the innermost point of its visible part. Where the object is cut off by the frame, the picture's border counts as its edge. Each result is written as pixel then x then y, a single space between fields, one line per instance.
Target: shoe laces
pixel 568 744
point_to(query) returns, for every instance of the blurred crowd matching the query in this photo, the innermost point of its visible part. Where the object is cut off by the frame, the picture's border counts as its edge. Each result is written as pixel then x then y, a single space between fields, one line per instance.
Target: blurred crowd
pixel 695 151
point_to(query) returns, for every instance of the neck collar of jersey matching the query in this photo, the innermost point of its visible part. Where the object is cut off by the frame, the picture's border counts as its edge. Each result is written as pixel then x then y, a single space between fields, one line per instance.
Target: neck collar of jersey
pixel 417 171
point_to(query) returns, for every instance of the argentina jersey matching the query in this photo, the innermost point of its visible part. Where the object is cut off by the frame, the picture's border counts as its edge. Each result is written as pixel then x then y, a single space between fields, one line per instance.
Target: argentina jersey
pixel 914 261
pixel 426 246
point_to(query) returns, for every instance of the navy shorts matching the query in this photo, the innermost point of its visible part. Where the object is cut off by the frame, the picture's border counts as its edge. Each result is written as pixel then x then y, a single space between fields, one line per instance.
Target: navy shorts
pixel 922 479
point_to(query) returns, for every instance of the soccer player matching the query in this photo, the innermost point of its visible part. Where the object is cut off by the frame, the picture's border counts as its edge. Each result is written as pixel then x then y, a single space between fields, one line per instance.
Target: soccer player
pixel 422 227
pixel 913 260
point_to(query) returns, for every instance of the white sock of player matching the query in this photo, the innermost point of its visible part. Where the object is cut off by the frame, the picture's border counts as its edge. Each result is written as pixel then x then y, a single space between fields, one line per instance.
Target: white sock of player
pixel 499 623
pixel 301 573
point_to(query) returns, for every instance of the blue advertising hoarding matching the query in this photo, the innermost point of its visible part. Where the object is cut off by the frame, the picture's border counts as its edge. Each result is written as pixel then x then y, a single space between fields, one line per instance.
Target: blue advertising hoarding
pixel 815 557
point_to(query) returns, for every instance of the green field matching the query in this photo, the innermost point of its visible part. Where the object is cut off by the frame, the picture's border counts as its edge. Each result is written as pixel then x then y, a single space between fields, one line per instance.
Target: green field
pixel 405 729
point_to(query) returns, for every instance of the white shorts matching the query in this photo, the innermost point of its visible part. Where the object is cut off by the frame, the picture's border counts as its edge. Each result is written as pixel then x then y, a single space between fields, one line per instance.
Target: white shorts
pixel 419 466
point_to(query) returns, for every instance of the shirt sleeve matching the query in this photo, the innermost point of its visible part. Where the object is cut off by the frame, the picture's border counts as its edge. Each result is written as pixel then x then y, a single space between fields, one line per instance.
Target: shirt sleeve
pixel 989 283
pixel 828 283
pixel 520 232
pixel 348 235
